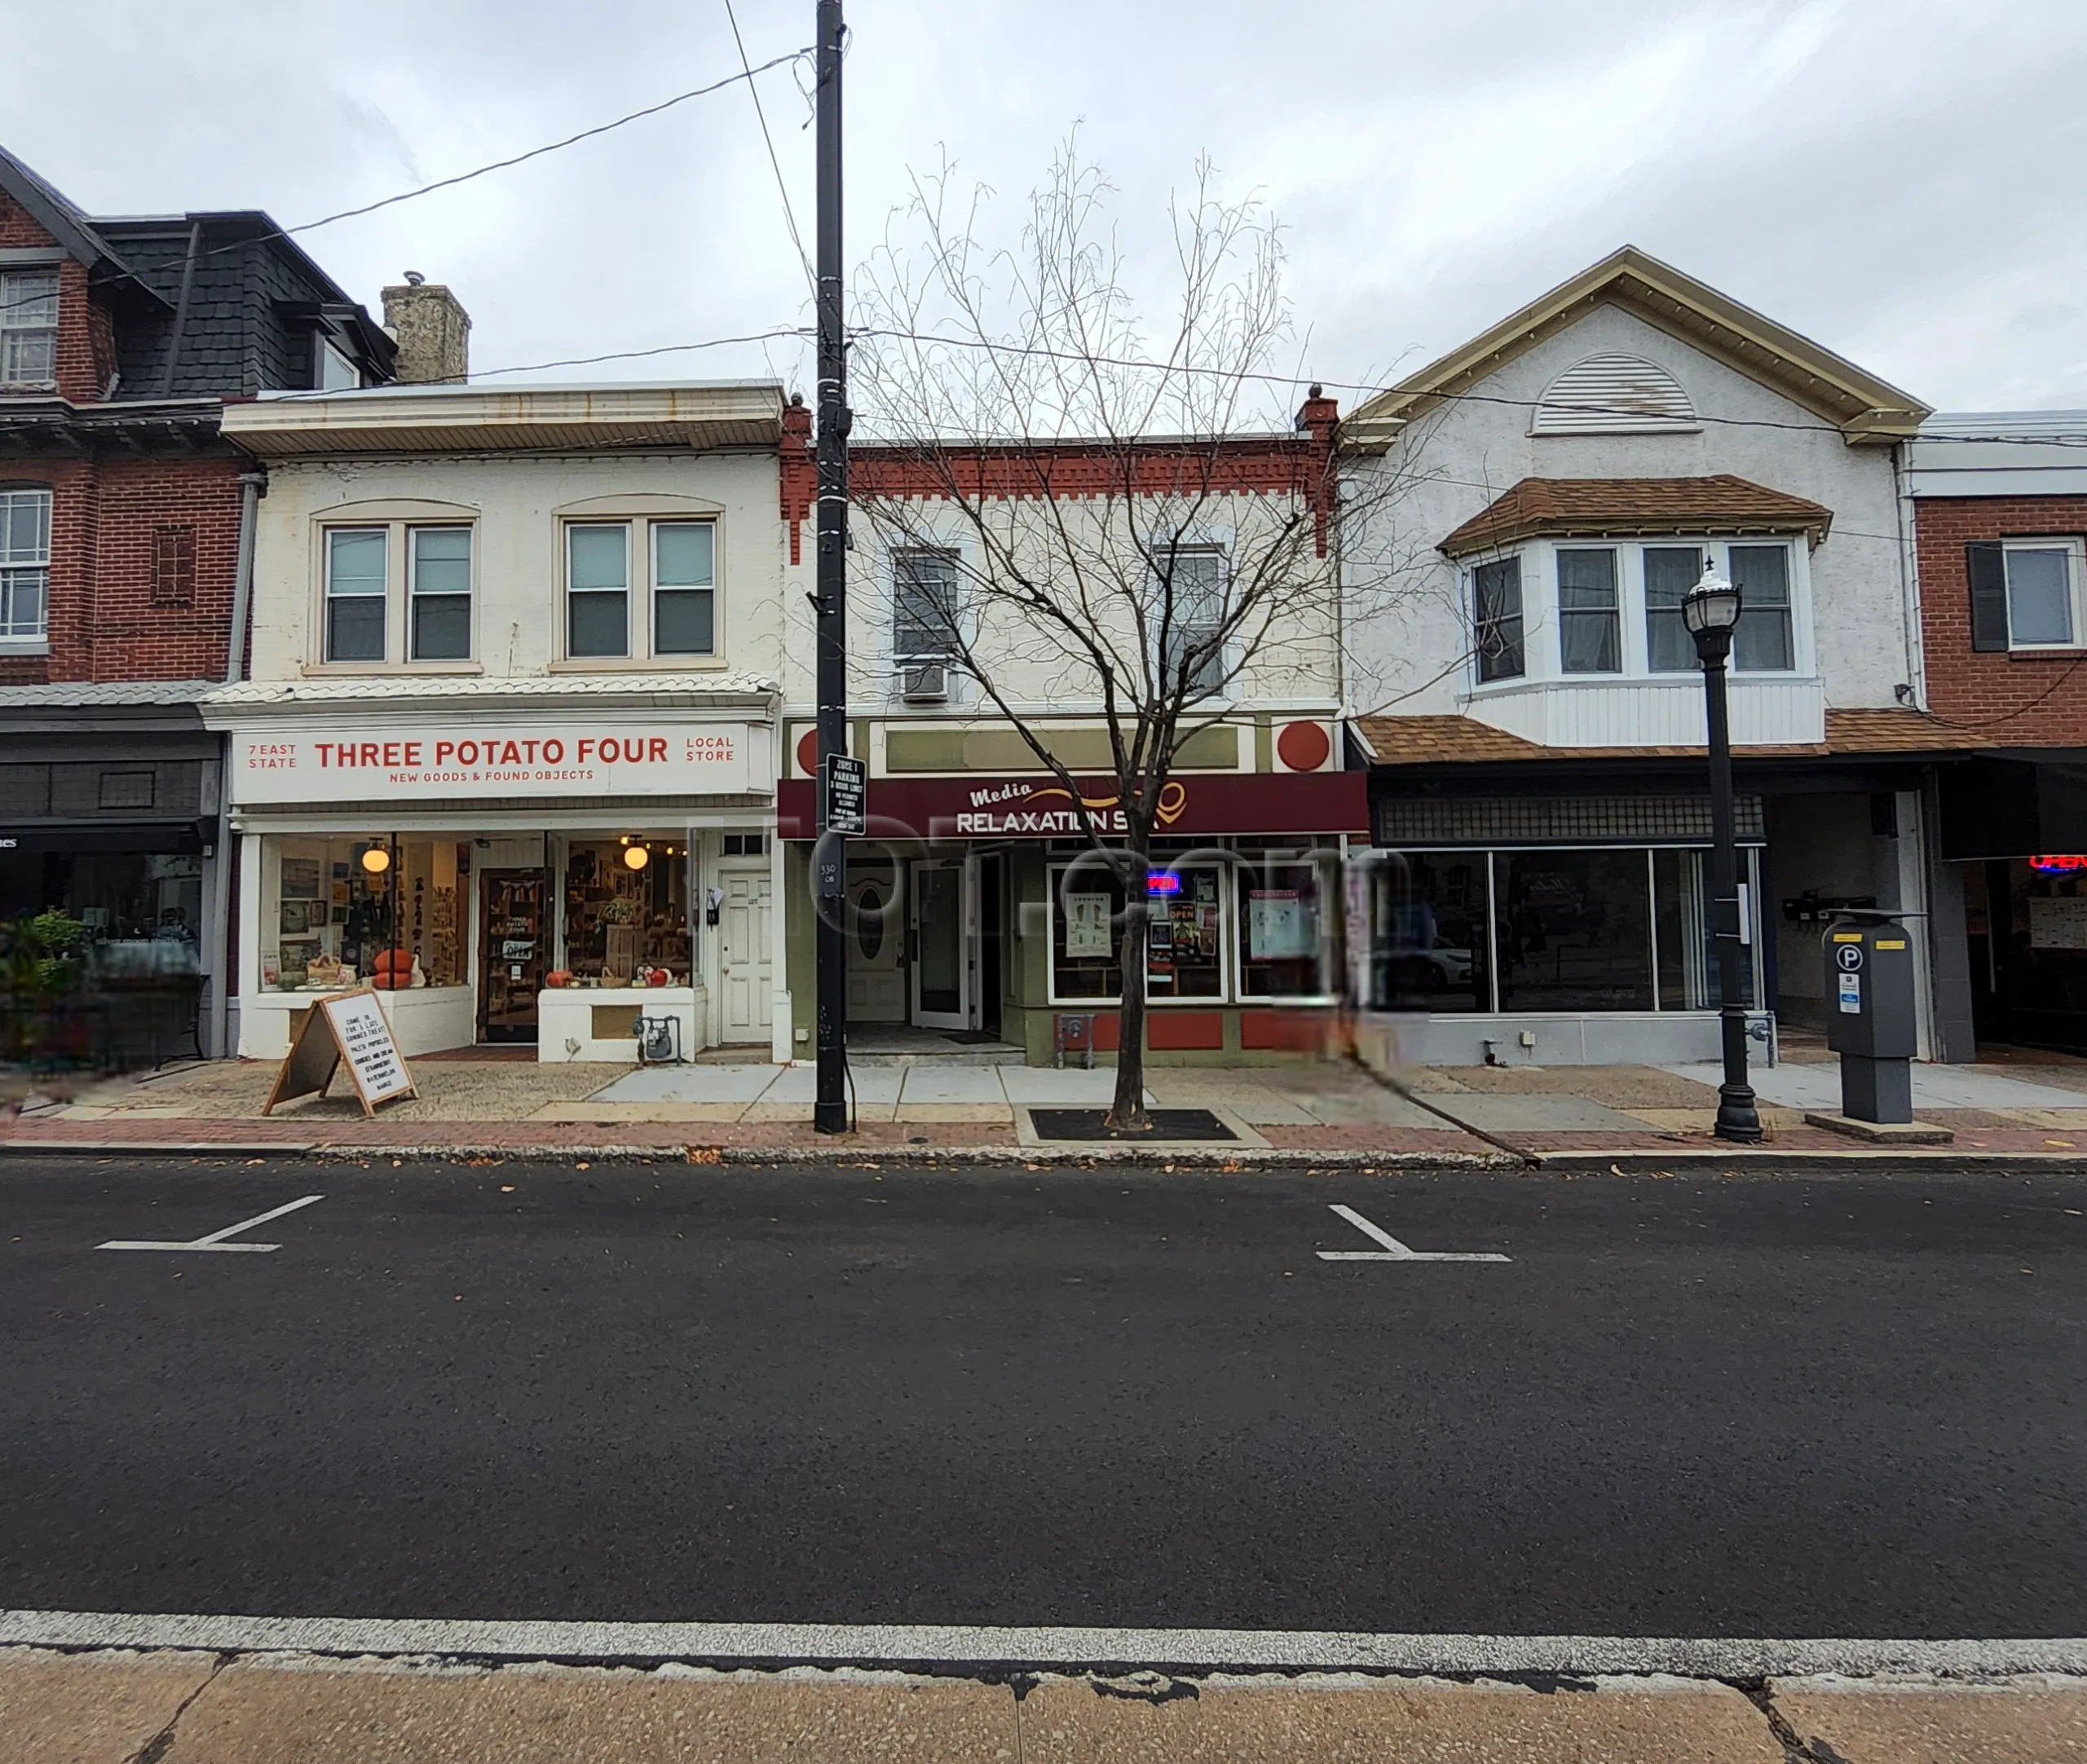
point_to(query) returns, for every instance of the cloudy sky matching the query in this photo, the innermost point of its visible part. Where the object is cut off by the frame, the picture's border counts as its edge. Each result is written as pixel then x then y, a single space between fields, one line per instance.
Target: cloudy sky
pixel 1899 180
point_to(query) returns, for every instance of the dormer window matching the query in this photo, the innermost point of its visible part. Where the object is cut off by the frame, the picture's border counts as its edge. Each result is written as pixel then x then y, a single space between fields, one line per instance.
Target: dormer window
pixel 29 326
pixel 337 371
pixel 1613 395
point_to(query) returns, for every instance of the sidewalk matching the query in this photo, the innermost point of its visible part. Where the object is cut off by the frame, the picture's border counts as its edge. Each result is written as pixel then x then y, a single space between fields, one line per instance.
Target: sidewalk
pixel 1505 1116
pixel 203 1708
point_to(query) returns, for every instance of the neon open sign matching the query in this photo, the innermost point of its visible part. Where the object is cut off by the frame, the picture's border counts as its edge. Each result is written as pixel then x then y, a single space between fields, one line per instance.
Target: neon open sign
pixel 1165 883
pixel 2058 863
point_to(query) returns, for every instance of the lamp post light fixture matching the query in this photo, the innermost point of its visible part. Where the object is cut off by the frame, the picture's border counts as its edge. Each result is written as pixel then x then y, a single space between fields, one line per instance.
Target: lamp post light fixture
pixel 1711 611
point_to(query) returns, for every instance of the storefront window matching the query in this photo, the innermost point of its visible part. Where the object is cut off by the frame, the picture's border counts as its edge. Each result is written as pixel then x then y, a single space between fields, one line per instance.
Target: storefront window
pixel 1086 906
pixel 1432 947
pixel 1574 931
pixel 624 917
pixel 134 898
pixel 1184 942
pixel 1286 931
pixel 340 912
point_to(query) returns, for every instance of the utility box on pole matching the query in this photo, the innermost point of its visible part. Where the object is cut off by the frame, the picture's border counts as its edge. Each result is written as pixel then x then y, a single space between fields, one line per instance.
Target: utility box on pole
pixel 1870 1016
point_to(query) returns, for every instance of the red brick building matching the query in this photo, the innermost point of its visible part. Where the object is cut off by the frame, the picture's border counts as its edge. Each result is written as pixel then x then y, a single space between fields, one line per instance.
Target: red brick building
pixel 121 513
pixel 2000 515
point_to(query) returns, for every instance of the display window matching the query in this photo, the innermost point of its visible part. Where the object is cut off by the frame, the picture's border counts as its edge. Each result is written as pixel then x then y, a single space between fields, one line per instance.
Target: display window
pixel 1287 948
pixel 1551 930
pixel 1189 949
pixel 626 912
pixel 340 912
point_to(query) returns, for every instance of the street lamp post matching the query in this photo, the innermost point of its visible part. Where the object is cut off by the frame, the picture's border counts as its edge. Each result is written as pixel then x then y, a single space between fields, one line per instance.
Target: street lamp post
pixel 1710 611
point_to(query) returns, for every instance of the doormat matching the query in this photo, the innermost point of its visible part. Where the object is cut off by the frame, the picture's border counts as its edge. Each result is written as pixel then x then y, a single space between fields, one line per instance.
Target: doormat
pixel 1167 1124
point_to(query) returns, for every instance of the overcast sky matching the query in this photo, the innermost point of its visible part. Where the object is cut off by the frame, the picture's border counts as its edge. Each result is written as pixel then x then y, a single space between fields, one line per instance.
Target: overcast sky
pixel 1901 181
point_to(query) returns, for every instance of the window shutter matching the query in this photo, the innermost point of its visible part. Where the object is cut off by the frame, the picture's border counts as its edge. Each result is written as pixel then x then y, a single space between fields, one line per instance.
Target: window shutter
pixel 1986 565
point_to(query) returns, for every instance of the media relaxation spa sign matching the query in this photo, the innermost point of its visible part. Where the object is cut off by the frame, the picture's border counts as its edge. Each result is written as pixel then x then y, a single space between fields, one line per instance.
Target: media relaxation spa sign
pixel 652 758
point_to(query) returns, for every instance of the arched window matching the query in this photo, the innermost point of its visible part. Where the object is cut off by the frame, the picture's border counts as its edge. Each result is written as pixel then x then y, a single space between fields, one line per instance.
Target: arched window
pixel 1613 395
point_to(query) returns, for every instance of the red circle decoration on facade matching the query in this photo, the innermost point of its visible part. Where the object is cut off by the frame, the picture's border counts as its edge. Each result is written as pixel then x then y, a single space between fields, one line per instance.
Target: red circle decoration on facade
pixel 808 753
pixel 1303 746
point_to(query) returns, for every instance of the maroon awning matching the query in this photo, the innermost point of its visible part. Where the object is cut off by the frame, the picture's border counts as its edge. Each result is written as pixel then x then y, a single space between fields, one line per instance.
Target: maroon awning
pixel 1274 803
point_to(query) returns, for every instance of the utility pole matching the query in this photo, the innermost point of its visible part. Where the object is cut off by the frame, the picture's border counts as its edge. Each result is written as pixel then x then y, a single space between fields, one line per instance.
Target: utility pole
pixel 830 856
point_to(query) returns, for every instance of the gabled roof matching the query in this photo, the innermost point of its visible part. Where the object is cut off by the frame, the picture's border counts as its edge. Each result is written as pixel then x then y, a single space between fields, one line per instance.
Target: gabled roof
pixel 1862 406
pixel 57 214
pixel 1587 508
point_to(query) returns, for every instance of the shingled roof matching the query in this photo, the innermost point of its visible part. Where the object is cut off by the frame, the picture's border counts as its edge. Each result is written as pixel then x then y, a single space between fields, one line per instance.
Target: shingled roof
pixel 1465 741
pixel 1617 508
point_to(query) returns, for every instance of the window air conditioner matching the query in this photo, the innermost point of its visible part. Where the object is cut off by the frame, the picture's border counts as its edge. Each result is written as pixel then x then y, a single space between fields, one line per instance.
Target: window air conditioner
pixel 924 682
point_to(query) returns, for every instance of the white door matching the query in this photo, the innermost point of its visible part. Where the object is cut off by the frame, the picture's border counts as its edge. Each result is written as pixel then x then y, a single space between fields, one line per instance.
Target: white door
pixel 746 960
pixel 942 943
pixel 876 937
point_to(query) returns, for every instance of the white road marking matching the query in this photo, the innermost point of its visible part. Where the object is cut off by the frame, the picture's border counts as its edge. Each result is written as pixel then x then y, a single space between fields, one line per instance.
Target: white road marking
pixel 1393 1250
pixel 216 1240
pixel 842 1644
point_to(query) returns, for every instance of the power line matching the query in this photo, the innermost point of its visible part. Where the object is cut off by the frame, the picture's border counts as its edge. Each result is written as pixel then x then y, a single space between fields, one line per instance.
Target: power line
pixel 747 74
pixel 1373 391
pixel 789 213
pixel 566 361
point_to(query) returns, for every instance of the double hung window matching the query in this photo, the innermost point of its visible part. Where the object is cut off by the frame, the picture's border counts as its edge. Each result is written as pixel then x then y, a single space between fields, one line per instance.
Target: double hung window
pixel 1188 606
pixel 1762 574
pixel 438 569
pixel 640 588
pixel 1496 619
pixel 598 590
pixel 24 566
pixel 361 564
pixel 926 604
pixel 356 594
pixel 2025 594
pixel 29 326
pixel 1589 630
pixel 1670 571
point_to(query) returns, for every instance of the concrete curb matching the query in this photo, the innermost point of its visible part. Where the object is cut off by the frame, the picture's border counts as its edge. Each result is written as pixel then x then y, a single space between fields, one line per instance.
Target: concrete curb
pixel 1240 1159
pixel 1765 1161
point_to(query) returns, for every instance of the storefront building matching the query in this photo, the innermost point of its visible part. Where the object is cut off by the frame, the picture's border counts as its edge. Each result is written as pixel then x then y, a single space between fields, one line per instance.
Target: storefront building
pixel 2000 505
pixel 1539 777
pixel 978 909
pixel 122 512
pixel 509 753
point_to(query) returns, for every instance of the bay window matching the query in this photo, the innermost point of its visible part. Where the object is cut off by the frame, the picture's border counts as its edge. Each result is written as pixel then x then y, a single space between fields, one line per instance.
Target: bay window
pixel 1670 571
pixel 1496 619
pixel 1590 635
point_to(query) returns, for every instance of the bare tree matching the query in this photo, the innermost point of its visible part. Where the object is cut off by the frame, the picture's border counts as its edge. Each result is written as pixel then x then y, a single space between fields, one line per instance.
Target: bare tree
pixel 1087 520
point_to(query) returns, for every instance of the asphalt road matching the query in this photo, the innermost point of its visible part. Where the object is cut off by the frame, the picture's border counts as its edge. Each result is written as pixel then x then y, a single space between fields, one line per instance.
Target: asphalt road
pixel 1761 1406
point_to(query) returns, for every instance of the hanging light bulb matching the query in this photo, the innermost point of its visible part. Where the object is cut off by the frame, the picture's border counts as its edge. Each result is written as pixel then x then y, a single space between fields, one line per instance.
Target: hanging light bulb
pixel 637 857
pixel 377 860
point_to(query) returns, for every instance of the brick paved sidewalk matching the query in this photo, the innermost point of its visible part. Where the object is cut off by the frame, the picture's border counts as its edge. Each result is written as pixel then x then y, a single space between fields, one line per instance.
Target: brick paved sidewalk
pixel 1507 1117
pixel 113 1708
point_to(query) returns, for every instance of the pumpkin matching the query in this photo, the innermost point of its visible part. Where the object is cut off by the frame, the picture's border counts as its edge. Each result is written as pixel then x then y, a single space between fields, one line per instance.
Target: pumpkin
pixel 559 976
pixel 400 961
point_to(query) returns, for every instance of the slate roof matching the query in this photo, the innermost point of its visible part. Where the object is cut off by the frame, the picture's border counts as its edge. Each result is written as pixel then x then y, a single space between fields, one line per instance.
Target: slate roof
pixel 1465 740
pixel 1559 508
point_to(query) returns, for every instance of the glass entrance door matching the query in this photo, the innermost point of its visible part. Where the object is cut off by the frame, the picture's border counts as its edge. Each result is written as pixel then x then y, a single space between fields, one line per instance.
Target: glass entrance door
pixel 941 944
pixel 510 955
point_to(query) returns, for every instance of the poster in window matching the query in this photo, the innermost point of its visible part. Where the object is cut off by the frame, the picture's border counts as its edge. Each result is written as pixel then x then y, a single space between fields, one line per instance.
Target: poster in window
pixel 297 917
pixel 1279 927
pixel 2058 921
pixel 301 879
pixel 1087 927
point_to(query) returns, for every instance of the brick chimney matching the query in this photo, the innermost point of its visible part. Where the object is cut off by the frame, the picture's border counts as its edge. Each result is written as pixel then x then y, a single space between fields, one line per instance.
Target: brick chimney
pixel 434 333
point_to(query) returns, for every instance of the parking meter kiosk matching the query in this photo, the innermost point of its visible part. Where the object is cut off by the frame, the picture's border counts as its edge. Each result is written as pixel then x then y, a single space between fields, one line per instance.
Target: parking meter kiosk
pixel 1869 1015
